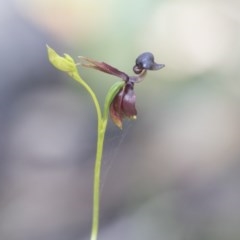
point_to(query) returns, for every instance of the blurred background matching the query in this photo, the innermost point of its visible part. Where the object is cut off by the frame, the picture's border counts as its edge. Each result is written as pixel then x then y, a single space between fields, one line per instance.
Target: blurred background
pixel 173 174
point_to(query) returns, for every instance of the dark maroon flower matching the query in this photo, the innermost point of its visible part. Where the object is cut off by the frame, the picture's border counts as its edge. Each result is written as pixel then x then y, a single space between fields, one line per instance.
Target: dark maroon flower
pixel 123 104
pixel 103 67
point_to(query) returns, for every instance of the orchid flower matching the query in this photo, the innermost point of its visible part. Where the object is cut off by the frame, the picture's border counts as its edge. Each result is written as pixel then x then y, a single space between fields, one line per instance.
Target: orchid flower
pixel 123 104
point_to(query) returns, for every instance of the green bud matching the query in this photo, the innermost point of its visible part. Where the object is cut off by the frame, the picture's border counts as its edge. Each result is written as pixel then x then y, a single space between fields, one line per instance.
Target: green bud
pixel 65 64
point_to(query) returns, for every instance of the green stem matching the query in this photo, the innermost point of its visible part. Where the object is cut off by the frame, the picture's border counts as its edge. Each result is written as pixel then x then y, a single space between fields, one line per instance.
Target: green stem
pixel 67 64
pixel 97 178
pixel 76 76
pixel 102 124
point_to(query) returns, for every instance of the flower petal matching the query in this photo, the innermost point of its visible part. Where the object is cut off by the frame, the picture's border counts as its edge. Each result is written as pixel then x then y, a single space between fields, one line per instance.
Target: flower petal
pixel 123 105
pixel 115 116
pixel 116 112
pixel 111 94
pixel 128 102
pixel 103 67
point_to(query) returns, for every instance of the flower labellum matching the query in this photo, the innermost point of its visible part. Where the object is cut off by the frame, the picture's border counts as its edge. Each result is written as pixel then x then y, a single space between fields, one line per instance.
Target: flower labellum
pixel 146 61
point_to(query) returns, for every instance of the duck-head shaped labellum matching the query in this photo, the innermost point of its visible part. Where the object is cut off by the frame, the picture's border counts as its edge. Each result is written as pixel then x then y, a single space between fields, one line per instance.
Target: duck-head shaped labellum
pixel 146 61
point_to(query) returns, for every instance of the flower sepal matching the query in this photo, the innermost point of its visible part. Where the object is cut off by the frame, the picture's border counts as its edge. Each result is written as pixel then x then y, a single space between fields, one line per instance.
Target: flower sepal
pixel 111 94
pixel 123 105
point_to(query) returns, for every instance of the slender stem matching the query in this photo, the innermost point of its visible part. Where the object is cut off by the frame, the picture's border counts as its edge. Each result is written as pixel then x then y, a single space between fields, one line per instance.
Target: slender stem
pixel 92 94
pixel 102 124
pixel 66 64
pixel 97 178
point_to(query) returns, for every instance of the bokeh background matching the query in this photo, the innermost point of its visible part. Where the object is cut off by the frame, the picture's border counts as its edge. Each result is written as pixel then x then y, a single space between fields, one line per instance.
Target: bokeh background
pixel 173 174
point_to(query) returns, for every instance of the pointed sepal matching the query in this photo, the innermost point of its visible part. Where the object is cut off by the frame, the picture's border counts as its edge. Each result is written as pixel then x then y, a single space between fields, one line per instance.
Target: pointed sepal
pixel 112 92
